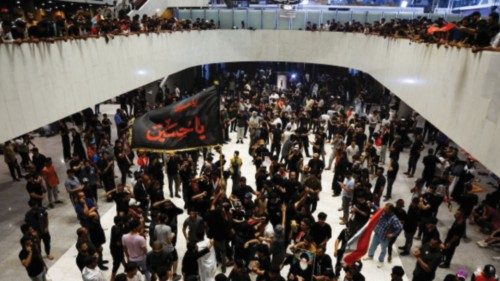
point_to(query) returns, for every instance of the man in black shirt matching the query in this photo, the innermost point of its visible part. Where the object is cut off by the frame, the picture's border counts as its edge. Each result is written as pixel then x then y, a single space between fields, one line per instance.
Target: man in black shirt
pixel 294 159
pixel 321 231
pixel 276 140
pixel 38 159
pixel 467 203
pixel 302 133
pixel 316 165
pixel 190 270
pixel 35 188
pixel 453 238
pixel 173 166
pixel 392 173
pixel 396 148
pixel 242 190
pixel 339 249
pixel 115 245
pixel 38 219
pixel 323 269
pixel 430 162
pixel 410 225
pixel 361 213
pixel 430 231
pixel 428 259
pixel 32 260
pixel 415 150
pixel 378 189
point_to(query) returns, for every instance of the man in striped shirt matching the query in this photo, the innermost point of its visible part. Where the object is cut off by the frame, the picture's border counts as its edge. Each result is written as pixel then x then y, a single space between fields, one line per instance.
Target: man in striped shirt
pixel 387 227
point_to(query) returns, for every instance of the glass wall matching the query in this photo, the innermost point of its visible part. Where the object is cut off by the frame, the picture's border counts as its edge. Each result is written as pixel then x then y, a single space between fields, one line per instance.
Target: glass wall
pixel 296 20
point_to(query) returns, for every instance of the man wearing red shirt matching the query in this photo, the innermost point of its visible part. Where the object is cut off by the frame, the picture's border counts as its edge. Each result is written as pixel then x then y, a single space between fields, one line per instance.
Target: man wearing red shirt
pixel 51 181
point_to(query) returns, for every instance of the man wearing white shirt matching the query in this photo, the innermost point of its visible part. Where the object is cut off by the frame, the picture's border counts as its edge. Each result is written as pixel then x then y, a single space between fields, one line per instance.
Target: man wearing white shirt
pixel 91 271
pixel 351 150
pixel 346 194
pixel 373 120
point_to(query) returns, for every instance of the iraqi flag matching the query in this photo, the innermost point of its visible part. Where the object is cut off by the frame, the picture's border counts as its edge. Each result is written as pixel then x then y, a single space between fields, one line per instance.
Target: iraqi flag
pixel 361 240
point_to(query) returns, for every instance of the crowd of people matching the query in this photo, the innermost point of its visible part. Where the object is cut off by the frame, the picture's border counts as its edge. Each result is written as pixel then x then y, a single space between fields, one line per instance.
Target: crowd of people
pixel 19 27
pixel 265 225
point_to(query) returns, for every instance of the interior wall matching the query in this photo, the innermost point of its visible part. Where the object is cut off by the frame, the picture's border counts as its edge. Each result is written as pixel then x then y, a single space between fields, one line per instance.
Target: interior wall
pixel 456 90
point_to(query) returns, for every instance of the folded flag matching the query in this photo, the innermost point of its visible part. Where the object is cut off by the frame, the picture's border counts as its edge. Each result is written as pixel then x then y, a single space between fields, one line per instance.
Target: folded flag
pixel 361 240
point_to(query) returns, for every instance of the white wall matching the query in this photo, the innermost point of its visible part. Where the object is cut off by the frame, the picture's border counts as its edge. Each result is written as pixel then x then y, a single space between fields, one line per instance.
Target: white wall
pixel 152 7
pixel 456 90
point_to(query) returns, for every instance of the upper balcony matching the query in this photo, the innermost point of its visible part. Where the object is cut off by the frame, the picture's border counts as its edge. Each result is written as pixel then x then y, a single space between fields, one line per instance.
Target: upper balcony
pixel 455 89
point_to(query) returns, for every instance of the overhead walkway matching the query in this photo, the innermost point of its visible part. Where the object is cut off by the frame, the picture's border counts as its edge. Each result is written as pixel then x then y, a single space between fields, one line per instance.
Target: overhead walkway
pixel 456 90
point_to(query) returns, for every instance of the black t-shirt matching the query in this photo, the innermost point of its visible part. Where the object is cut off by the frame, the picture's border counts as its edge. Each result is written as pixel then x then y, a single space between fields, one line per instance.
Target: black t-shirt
pixel 276 135
pixel 173 166
pixel 343 238
pixel 397 146
pixel 218 227
pixel 359 218
pixel 241 191
pixel 395 167
pixel 431 257
pixel 239 275
pixel 412 219
pixel 36 266
pixel 115 245
pixel 379 184
pixel 36 219
pixel 428 235
pixel 467 203
pixel 360 139
pixel 400 214
pixel 323 266
pixel 430 162
pixel 36 188
pixel 316 166
pixel 241 120
pixel 293 162
pixel 416 147
pixel 121 203
pixel 457 229
pixel 320 233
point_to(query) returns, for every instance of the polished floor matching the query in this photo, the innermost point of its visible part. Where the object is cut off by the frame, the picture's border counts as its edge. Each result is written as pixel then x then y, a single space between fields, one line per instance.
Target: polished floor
pixel 63 222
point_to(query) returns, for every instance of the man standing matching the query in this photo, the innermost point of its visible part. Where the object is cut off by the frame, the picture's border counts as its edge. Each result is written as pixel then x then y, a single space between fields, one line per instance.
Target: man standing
pixel 38 159
pixel 72 185
pixel 10 159
pixel 196 227
pixel 453 238
pixel 392 173
pixel 38 219
pixel 32 260
pixel 415 150
pixel 35 188
pixel 430 162
pixel 241 123
pixel 347 193
pixel 173 166
pixel 51 182
pixel 276 136
pixel 321 231
pixel 135 247
pixel 387 227
pixel 379 186
pixel 428 259
pixel 410 226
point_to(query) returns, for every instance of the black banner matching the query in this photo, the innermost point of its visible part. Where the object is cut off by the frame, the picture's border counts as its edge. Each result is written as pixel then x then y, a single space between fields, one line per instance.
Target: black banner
pixel 189 124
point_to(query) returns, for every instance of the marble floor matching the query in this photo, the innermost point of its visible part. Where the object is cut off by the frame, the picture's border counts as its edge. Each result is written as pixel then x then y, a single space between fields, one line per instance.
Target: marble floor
pixel 63 222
